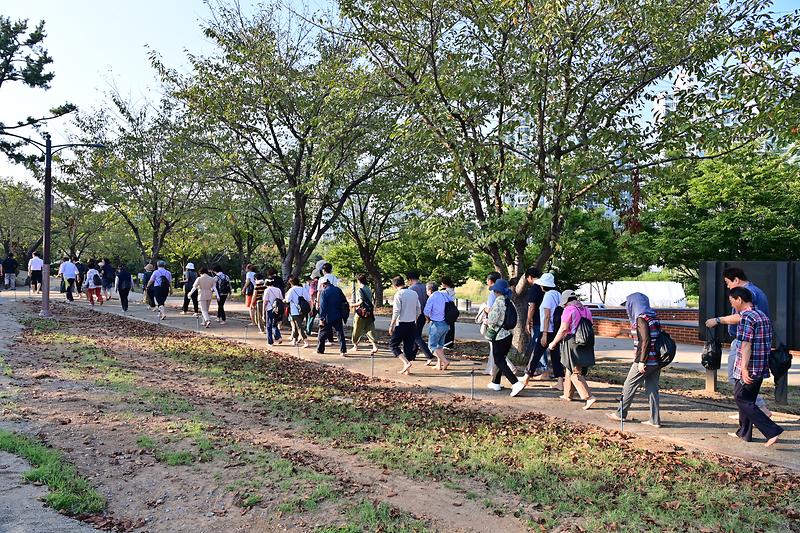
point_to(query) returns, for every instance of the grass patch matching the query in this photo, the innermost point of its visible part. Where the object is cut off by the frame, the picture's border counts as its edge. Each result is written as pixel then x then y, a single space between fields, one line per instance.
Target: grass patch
pixel 181 458
pixel 69 493
pixel 39 324
pixel 368 517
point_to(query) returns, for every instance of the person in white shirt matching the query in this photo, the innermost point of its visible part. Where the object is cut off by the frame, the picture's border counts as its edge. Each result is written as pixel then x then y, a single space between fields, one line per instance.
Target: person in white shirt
pixel 35 272
pixel 271 295
pixel 69 273
pixel 547 309
pixel 403 327
pixel 206 287
pixel 296 315
pixel 93 283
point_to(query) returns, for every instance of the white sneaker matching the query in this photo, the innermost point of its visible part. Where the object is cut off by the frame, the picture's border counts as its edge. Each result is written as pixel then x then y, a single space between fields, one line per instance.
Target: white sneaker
pixel 517 388
pixel 494 386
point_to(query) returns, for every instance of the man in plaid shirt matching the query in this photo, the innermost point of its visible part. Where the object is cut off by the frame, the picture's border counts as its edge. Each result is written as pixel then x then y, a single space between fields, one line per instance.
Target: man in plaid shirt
pixel 754 334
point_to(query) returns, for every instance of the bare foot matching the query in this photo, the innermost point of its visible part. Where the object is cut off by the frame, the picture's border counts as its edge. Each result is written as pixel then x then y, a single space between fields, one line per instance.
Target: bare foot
pixel 557 386
pixel 589 402
pixel 445 365
pixel 771 441
pixel 374 350
pixel 544 376
pixel 305 344
pixel 766 411
pixel 406 369
pixel 432 362
pixel 565 398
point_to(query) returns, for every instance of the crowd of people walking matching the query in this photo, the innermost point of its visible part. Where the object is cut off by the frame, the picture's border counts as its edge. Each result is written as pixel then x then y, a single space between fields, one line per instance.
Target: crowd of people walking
pixel 561 330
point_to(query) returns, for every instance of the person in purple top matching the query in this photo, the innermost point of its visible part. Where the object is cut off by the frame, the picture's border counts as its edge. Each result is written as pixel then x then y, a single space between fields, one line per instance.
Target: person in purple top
pixel 434 311
pixel 751 367
pixel 160 281
pixel 735 277
pixel 414 284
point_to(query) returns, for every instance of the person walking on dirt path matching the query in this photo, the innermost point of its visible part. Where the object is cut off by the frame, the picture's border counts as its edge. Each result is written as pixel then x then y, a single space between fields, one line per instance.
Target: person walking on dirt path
pixel 277 280
pixel 161 281
pixel 415 285
pixel 491 279
pixel 751 366
pixel 69 273
pixel 123 283
pixel 80 280
pixel 273 311
pixel 248 289
pixel 364 315
pixel 108 275
pixel 147 291
pixel 257 302
pixel 434 312
pixel 546 319
pixel 446 285
pixel 403 326
pixel 313 286
pixel 205 286
pixel 332 303
pixel 646 367
pixel 93 284
pixel 9 268
pixel 735 277
pixel 576 359
pixel 501 338
pixel 534 297
pixel 223 291
pixel 297 297
pixel 189 278
pixel 35 265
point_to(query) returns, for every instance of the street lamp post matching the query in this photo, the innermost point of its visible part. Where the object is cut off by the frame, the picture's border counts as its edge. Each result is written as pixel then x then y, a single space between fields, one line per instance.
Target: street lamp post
pixel 48 150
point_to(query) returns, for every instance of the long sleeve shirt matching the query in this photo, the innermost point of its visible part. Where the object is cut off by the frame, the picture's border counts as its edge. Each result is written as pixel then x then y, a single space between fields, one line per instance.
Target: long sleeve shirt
pixel 405 306
pixel 497 314
pixel 434 308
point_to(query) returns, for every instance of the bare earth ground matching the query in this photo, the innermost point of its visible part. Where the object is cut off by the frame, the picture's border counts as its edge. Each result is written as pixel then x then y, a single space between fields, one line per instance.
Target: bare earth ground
pixel 177 443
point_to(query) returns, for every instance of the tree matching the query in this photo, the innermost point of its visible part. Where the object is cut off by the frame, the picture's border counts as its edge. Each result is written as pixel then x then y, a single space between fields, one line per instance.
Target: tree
pixel 77 227
pixel 595 250
pixel 743 207
pixel 20 218
pixel 292 115
pixel 541 106
pixel 24 60
pixel 149 174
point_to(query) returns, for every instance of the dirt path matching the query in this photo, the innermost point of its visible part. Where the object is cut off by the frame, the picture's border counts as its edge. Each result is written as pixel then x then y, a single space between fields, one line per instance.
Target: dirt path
pixel 97 427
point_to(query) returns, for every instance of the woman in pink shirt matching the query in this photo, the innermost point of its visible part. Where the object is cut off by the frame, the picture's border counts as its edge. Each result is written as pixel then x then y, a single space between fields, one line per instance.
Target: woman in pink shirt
pixel 576 358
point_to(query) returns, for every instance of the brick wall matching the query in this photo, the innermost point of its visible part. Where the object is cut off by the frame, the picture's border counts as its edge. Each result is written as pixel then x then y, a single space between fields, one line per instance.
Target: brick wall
pixel 615 327
pixel 663 314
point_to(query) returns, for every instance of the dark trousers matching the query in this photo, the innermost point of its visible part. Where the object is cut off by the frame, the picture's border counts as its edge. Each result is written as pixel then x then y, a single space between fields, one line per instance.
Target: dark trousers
pixel 221 306
pixel 499 352
pixel 404 335
pixel 186 301
pixel 450 338
pixel 160 294
pixel 326 333
pixel 70 287
pixel 149 296
pixel 421 344
pixel 123 298
pixel 540 352
pixel 749 414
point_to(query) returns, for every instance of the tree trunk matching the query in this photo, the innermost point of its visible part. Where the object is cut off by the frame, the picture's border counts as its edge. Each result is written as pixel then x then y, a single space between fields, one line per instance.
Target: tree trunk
pixel 377 283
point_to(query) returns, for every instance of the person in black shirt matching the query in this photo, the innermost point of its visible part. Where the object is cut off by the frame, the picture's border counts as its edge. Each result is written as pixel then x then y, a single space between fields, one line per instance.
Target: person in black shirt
pixel 535 296
pixel 123 285
pixel 189 277
pixel 9 268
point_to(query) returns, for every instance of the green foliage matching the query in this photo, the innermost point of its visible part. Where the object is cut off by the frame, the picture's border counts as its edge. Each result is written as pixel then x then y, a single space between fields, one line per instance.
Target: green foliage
pixel 69 492
pixel 20 218
pixel 742 207
pixel 594 250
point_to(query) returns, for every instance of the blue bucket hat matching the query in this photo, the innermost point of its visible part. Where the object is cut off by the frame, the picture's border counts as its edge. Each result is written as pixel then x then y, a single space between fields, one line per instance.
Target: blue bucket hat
pixel 501 286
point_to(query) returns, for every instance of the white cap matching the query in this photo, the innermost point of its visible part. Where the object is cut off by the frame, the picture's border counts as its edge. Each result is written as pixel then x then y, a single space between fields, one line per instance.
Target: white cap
pixel 547 280
pixel 189 266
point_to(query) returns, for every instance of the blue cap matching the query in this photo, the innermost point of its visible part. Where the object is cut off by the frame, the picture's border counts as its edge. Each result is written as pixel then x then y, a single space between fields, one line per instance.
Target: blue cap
pixel 501 286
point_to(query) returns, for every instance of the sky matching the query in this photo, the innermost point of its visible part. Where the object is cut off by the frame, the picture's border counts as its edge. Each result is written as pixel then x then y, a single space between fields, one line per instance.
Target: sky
pixel 98 46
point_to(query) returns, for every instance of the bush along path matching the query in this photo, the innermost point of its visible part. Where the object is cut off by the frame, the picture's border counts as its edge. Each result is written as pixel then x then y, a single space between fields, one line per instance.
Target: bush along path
pixel 185 432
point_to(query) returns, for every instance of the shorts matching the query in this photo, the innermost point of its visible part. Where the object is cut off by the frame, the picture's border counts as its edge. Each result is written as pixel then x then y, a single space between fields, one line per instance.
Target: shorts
pixel 437 333
pixel 248 299
pixel 36 276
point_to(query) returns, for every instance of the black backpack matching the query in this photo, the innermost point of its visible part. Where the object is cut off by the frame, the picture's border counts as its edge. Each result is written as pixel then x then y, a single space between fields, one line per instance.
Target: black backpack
pixel 584 334
pixel 278 308
pixel 97 280
pixel 665 348
pixel 305 307
pixel 780 361
pixel 510 318
pixel 224 285
pixel 451 312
